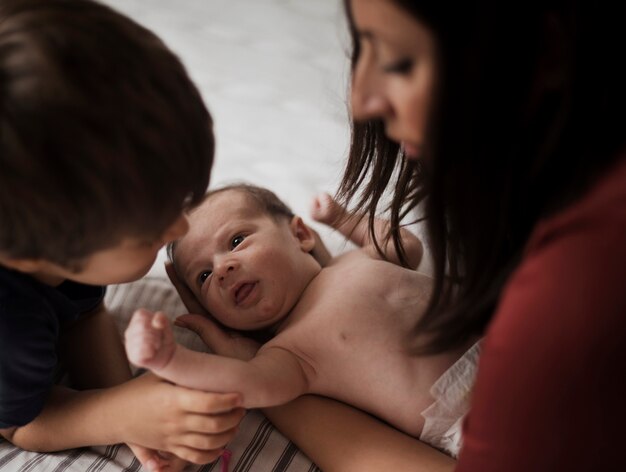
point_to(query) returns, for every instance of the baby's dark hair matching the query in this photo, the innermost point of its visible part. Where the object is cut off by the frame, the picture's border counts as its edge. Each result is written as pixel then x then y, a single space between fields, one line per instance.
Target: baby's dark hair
pixel 265 200
pixel 102 133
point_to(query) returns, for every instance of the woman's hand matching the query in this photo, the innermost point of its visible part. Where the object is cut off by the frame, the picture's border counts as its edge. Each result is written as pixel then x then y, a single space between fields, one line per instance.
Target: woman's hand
pixel 186 295
pixel 223 342
pixel 193 425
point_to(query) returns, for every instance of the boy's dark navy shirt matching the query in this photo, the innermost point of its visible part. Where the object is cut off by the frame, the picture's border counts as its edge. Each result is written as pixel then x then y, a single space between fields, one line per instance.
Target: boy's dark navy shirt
pixel 32 317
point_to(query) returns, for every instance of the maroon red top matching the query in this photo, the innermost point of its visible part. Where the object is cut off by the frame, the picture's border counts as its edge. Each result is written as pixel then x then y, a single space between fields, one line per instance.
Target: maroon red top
pixel 551 387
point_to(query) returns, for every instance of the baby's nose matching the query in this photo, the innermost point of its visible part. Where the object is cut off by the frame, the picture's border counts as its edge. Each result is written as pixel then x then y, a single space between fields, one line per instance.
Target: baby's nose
pixel 226 271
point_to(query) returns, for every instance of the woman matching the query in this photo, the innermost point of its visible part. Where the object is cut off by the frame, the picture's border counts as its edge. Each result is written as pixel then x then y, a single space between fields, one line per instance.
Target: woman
pixel 504 120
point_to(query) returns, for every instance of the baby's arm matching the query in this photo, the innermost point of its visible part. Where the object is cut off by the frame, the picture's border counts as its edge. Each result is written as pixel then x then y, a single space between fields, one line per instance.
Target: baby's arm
pixel 355 227
pixel 274 376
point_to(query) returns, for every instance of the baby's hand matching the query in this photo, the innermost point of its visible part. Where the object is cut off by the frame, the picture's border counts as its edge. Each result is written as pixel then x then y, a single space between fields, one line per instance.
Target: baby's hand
pixel 149 340
pixel 326 210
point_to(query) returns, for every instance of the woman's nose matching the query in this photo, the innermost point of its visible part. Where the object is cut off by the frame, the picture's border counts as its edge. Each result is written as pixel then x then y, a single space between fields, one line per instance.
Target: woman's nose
pixel 368 100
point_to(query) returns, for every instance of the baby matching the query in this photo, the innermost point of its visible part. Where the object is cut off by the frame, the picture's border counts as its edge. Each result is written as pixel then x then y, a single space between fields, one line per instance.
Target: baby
pixel 341 330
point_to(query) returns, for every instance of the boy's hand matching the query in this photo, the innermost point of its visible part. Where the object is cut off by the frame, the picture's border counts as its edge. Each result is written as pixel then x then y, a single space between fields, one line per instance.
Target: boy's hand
pixel 193 425
pixel 149 340
pixel 155 461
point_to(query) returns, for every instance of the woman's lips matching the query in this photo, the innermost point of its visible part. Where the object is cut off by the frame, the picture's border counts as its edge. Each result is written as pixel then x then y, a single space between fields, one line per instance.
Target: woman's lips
pixel 243 292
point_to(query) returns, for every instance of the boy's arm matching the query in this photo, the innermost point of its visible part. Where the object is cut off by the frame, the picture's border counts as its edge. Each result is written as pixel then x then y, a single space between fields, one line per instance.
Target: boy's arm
pixel 147 410
pixel 355 227
pixel 93 352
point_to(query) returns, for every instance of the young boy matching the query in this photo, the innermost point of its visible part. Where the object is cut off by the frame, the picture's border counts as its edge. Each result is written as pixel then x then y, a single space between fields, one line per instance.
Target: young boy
pixel 104 141
pixel 340 331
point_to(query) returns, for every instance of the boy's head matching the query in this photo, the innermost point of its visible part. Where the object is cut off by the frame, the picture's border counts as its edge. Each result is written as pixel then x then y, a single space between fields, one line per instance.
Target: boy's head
pixel 103 137
pixel 246 257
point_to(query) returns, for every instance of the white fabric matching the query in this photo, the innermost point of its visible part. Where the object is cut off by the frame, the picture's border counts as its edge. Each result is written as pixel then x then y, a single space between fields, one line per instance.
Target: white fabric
pixel 452 394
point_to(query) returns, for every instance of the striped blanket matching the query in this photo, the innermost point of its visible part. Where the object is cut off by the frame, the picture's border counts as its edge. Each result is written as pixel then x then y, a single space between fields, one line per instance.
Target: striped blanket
pixel 257 447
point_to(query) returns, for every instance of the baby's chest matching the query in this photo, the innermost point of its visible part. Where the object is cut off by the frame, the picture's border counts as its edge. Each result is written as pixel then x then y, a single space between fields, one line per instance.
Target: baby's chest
pixel 362 307
pixel 354 330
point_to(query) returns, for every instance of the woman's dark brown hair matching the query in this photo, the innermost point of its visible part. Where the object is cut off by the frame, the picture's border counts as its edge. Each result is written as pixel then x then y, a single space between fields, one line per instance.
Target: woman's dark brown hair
pixel 501 151
pixel 102 133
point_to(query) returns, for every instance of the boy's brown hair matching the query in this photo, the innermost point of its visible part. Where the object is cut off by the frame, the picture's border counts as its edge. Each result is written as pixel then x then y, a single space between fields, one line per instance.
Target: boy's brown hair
pixel 102 133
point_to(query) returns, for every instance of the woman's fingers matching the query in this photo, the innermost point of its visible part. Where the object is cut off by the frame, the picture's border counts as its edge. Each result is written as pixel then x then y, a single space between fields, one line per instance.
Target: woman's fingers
pixel 212 335
pixel 189 299
pixel 224 343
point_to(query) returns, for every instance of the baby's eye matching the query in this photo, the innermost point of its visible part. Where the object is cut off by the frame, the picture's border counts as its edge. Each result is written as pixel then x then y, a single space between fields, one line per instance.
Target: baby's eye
pixel 203 276
pixel 237 240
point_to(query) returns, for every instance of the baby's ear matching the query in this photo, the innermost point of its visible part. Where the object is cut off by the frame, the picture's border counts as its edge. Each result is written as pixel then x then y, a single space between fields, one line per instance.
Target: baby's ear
pixel 303 234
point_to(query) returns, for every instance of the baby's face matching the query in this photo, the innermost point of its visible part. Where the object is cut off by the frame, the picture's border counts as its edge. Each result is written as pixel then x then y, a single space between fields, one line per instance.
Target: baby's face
pixel 128 260
pixel 242 265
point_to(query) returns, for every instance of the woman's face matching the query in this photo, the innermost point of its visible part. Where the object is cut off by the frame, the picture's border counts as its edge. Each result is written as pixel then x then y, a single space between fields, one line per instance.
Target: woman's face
pixel 393 78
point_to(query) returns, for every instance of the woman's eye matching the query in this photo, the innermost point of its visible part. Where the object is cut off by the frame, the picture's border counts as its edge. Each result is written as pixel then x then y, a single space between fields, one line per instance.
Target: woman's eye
pixel 403 66
pixel 203 276
pixel 237 240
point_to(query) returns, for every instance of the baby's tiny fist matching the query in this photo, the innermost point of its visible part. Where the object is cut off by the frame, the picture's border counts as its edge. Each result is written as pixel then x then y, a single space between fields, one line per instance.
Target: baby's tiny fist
pixel 321 207
pixel 325 209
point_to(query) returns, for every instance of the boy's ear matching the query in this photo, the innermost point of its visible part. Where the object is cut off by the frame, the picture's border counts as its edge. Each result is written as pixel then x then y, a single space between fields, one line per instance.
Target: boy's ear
pixel 303 233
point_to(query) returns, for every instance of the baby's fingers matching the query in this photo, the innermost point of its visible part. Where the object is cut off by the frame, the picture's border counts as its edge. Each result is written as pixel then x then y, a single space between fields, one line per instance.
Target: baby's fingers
pixel 159 321
pixel 317 206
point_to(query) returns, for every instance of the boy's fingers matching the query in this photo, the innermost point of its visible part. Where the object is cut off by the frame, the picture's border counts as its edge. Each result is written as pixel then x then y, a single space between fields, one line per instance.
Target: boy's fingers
pixel 204 424
pixel 207 403
pixel 198 456
pixel 147 457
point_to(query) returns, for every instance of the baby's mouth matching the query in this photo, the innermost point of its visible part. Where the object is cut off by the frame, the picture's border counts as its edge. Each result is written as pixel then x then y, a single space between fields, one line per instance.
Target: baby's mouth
pixel 243 292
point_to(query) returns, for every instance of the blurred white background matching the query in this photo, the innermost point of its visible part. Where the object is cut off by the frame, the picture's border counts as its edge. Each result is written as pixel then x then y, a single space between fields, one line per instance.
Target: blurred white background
pixel 274 75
